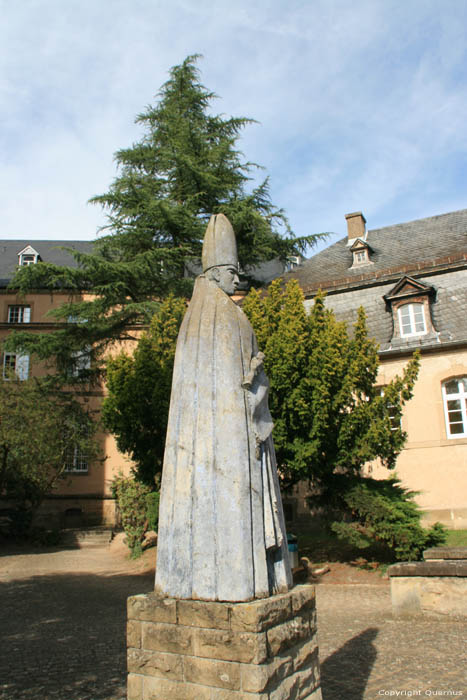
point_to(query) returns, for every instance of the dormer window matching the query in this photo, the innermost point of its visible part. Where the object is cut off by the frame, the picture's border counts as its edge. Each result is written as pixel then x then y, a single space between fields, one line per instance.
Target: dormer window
pixel 409 302
pixel 293 261
pixel 360 253
pixel 28 256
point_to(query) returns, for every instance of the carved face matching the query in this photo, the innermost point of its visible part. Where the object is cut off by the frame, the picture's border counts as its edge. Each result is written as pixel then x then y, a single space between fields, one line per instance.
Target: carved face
pixel 226 277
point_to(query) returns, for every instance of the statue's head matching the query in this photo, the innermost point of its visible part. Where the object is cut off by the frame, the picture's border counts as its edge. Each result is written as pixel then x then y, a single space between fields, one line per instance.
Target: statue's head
pixel 219 258
pixel 226 277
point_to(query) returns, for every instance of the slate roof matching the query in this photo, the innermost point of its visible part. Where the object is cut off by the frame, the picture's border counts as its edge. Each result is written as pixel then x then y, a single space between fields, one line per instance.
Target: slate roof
pixel 432 249
pixel 49 251
pixel 409 247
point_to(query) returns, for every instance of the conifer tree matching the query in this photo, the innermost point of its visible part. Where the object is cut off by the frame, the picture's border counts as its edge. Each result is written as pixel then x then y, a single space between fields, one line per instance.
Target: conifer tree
pixel 330 417
pixel 185 168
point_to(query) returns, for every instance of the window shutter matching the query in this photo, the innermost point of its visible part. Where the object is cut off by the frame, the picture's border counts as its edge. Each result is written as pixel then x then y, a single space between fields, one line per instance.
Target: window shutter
pixel 22 367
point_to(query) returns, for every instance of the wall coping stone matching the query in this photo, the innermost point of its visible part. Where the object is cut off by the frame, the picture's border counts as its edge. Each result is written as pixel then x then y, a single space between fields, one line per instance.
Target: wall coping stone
pixel 441 568
pixel 445 553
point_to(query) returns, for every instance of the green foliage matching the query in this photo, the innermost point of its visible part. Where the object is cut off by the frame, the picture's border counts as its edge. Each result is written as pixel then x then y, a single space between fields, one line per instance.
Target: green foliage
pixel 329 416
pixel 39 428
pixel 152 509
pixel 384 512
pixel 331 419
pixel 138 508
pixel 137 405
pixel 185 168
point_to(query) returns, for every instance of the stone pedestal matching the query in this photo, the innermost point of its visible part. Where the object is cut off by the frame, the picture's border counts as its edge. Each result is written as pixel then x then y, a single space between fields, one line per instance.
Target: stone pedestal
pixel 200 650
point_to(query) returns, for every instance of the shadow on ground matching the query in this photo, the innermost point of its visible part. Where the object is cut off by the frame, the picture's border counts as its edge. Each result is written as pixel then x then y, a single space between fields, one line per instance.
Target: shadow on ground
pixel 63 638
pixel 63 635
pixel 345 673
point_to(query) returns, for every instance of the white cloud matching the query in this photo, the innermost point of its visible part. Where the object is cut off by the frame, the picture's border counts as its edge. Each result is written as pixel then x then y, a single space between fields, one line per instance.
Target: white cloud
pixel 361 103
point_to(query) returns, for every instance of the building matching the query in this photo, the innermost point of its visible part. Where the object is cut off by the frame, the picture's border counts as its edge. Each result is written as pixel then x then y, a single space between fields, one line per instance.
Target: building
pixel 83 497
pixel 411 279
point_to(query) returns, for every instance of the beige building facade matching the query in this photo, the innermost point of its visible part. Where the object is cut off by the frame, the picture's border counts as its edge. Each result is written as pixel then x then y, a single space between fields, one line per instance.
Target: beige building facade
pixel 83 497
pixel 411 280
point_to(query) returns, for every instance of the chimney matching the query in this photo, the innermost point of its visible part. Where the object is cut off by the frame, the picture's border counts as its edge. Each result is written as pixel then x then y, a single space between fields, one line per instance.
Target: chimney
pixel 355 226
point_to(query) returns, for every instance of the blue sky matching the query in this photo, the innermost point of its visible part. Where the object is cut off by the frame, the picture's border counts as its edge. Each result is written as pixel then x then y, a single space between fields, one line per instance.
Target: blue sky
pixel 362 104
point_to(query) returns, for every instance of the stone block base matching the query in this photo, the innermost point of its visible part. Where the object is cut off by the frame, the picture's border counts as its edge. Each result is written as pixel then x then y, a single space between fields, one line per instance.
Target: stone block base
pixel 199 650
pixel 438 584
pixel 413 595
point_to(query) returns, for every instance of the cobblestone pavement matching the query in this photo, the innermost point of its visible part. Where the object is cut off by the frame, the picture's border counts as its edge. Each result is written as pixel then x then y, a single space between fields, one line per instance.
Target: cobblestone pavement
pixel 63 635
pixel 366 654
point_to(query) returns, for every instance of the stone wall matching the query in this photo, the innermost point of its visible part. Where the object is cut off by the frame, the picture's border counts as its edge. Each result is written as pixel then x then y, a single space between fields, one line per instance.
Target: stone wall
pixel 436 585
pixel 199 650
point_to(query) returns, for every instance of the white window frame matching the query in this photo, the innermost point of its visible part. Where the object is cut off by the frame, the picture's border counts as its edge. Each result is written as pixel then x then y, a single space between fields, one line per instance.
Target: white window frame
pixel 22 312
pixel 27 259
pixel 411 309
pixel 461 397
pixel 76 462
pixel 20 366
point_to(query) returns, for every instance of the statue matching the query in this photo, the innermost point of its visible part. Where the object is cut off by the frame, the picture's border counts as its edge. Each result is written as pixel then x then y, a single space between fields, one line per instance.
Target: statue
pixel 221 525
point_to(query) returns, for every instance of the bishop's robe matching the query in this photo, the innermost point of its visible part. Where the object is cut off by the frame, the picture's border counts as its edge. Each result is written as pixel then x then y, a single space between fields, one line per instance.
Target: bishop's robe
pixel 221 526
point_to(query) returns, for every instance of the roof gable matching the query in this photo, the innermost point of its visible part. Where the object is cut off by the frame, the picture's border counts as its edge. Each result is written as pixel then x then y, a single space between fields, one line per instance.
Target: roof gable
pixel 408 287
pixel 359 244
pixel 29 250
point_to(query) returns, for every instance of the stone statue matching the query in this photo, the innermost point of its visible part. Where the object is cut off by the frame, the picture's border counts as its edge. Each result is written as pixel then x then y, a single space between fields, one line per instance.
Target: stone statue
pixel 221 525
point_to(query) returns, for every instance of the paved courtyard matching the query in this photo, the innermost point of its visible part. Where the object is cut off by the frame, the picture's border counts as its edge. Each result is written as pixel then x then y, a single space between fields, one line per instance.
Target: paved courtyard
pixel 62 622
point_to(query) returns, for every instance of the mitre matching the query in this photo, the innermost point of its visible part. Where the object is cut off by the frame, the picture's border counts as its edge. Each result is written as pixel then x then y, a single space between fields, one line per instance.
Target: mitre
pixel 219 246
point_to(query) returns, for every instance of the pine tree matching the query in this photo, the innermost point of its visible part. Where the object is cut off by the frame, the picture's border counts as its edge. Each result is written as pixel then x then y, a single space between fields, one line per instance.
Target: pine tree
pixel 185 168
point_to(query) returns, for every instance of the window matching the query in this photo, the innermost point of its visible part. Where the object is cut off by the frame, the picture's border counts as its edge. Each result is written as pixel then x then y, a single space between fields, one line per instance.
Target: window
pixel 455 398
pixel 73 318
pixel 394 418
pixel 411 319
pixel 75 460
pixel 360 257
pixel 15 364
pixel 27 259
pixel 292 262
pixel 81 362
pixel 19 314
pixel 9 365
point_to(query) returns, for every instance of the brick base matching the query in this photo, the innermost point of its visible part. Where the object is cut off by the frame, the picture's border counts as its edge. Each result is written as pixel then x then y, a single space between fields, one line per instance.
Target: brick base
pixel 200 650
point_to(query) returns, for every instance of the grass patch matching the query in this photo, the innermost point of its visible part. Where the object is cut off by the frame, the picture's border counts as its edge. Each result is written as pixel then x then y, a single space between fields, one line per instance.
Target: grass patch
pixel 321 547
pixel 456 538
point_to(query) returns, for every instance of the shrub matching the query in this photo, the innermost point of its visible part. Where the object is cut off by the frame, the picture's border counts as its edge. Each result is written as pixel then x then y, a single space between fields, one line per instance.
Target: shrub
pixel 138 507
pixel 383 513
pixel 152 509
